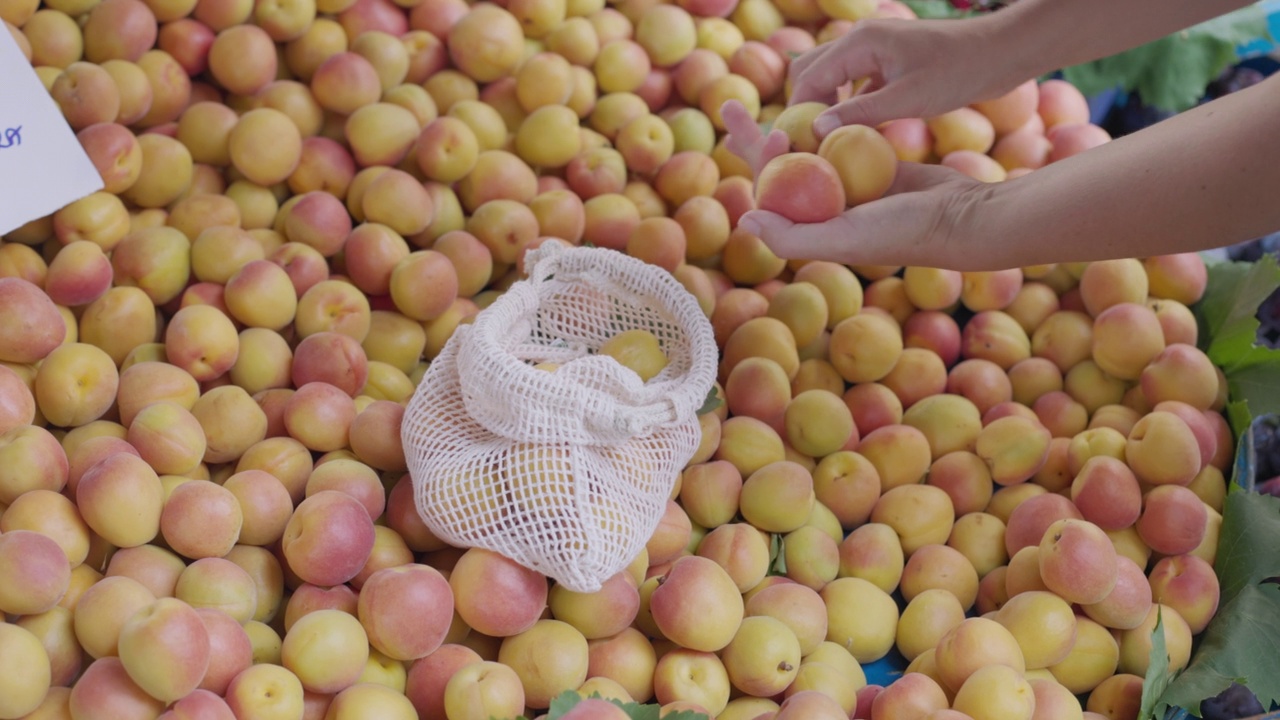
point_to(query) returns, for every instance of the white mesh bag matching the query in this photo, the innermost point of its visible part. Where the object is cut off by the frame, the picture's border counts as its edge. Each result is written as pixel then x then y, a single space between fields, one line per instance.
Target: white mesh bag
pixel 564 472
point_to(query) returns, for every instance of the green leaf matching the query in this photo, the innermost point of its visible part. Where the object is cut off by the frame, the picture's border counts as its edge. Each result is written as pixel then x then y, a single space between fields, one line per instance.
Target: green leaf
pixel 1249 546
pixel 1227 315
pixel 937 9
pixel 1238 646
pixel 1239 417
pixel 1230 304
pixel 1110 72
pixel 1255 377
pixel 686 715
pixel 1158 675
pixel 641 712
pixel 565 701
pixel 1186 66
pixel 712 403
pixel 1171 73
pixel 562 704
pixel 1243 468
pixel 777 555
pixel 1239 27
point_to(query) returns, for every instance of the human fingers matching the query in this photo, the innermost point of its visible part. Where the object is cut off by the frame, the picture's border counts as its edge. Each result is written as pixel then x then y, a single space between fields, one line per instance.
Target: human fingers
pixel 738 122
pixel 898 229
pixel 872 107
pixel 849 58
pixel 775 143
pixel 743 132
pixel 804 241
pixel 799 64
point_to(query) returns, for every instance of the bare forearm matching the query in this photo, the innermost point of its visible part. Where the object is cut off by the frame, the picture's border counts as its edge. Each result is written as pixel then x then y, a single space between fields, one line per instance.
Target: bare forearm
pixel 1205 178
pixel 1052 34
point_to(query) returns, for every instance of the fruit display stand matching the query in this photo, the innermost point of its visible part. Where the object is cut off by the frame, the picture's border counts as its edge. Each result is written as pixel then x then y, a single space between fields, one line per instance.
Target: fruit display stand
pixel 1238 640
pixel 205 504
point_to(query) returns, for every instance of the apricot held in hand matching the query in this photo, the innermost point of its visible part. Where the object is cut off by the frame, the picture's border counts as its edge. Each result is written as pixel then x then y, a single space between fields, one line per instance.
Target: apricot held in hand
pixel 801 187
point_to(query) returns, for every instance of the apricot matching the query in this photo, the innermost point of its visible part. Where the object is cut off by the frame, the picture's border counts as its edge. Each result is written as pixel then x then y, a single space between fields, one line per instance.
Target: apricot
pixel 802 187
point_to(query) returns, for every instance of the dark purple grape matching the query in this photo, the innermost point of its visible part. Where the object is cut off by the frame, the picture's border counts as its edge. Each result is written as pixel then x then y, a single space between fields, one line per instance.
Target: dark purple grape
pixel 1250 251
pixel 1233 79
pixel 1242 78
pixel 1233 703
pixel 1270 244
pixel 1134 115
pixel 1269 320
pixel 1266 446
pixel 1269 487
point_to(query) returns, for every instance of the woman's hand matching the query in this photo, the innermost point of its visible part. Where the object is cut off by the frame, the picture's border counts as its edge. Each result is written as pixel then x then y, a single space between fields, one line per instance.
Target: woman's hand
pixel 1131 197
pixel 911 225
pixel 923 68
pixel 908 226
pixel 914 68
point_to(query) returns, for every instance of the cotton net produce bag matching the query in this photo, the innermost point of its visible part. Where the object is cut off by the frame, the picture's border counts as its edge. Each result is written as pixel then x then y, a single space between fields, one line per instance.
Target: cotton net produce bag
pixel 566 472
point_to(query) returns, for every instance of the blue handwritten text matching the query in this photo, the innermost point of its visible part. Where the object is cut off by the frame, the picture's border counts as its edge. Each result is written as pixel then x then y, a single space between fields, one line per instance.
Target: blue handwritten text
pixel 11 137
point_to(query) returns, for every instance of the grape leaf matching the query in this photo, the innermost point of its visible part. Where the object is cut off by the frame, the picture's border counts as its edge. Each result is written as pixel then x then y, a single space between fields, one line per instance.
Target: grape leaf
pixel 1244 468
pixel 1249 546
pixel 1188 64
pixel 1228 310
pixel 1255 377
pixel 1227 315
pixel 1158 675
pixel 712 403
pixel 777 556
pixel 565 701
pixel 1238 646
pixel 936 9
pixel 1171 73
pixel 1239 417
pixel 636 711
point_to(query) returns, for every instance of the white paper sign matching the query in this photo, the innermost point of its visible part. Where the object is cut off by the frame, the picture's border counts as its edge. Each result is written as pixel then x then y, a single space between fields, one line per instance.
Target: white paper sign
pixel 42 166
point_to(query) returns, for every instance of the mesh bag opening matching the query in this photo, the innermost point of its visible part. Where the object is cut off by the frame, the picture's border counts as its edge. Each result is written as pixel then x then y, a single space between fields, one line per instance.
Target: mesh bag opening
pixel 564 472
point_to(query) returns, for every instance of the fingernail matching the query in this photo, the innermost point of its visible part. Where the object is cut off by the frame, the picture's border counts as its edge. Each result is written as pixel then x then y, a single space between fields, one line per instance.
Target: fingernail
pixel 825 124
pixel 749 225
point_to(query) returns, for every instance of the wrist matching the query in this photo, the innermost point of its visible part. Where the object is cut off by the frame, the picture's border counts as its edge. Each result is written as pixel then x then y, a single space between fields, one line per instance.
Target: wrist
pixel 972 239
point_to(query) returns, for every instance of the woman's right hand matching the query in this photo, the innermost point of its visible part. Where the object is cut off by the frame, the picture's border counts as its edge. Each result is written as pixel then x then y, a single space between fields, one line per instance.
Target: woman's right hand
pixel 914 68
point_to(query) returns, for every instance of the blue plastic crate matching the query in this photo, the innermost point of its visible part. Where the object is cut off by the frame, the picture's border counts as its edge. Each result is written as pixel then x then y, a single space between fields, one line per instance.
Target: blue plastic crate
pixel 1263 46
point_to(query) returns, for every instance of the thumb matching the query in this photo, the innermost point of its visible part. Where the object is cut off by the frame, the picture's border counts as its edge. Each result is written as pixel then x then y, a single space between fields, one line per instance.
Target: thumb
pixel 763 222
pixel 786 239
pixel 870 108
